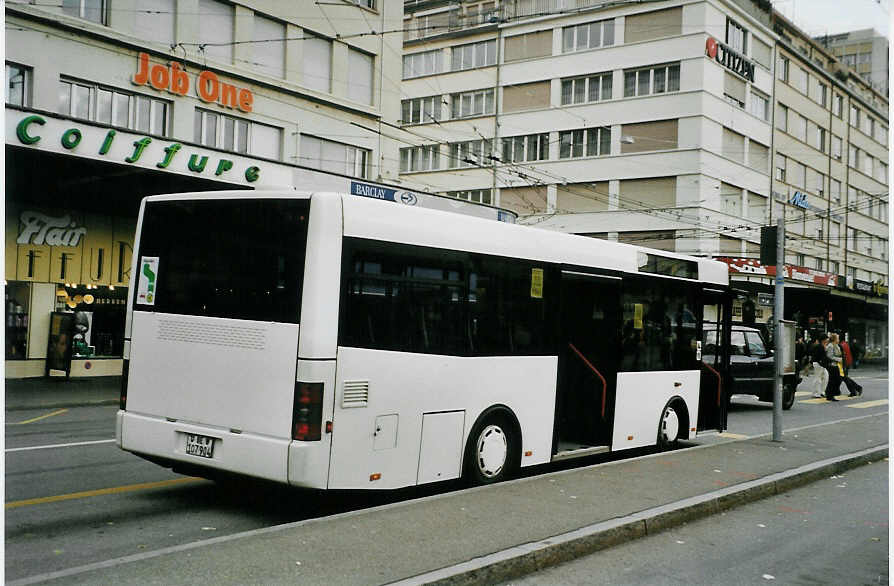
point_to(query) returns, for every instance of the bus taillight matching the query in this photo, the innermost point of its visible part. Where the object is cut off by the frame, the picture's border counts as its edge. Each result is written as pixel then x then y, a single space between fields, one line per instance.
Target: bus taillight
pixel 307 412
pixel 122 399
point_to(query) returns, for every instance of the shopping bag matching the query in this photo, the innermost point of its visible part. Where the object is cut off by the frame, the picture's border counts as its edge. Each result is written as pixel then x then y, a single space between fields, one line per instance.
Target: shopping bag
pixel 840 369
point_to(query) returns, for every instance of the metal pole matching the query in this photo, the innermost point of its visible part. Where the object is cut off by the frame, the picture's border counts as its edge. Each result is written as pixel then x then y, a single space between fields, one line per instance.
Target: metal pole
pixel 778 306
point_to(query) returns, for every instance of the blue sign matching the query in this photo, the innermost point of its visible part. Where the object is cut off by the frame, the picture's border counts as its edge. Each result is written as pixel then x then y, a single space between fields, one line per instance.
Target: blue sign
pixel 799 199
pixel 373 191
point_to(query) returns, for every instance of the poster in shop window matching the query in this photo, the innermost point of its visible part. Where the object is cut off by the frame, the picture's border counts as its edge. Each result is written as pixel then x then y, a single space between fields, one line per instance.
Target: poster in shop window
pixel 148 277
pixel 59 344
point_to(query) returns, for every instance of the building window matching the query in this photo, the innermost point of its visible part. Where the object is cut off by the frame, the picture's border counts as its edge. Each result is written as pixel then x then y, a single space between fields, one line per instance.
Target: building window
pixel 837 105
pixel 476 195
pixel 471 153
pixel 866 125
pixel 588 36
pixel 853 155
pixel 818 137
pixel 849 60
pixel 796 173
pixel 528 46
pixel 421 110
pixel 229 133
pixel 424 63
pixel 736 36
pixel 421 158
pixel 779 168
pixel 18 85
pixel 585 142
pixel 881 134
pixel 92 10
pixel 114 107
pixel 269 54
pixel 855 117
pixel 760 105
pixel 867 164
pixel 782 117
pixel 836 147
pixel 477 103
pixel 581 90
pixel 155 21
pixel 800 80
pixel 798 127
pixel 761 52
pixel 360 77
pixel 881 171
pixel 782 65
pixel 474 55
pixel 317 63
pixel 216 30
pixel 835 191
pixel 654 80
pixel 335 157
pixel 533 147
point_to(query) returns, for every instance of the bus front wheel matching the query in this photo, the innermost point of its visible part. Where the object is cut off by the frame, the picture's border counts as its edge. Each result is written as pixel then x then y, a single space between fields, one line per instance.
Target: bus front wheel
pixel 670 425
pixel 492 452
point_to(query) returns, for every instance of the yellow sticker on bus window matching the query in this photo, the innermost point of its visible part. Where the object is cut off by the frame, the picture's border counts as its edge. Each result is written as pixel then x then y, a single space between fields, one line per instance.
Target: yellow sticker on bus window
pixel 537 283
pixel 637 316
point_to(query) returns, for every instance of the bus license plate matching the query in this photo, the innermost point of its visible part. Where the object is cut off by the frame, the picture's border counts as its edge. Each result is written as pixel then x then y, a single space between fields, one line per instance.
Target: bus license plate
pixel 199 445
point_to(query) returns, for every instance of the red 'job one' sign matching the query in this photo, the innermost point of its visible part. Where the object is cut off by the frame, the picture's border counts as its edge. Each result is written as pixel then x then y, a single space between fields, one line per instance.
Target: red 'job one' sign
pixel 209 88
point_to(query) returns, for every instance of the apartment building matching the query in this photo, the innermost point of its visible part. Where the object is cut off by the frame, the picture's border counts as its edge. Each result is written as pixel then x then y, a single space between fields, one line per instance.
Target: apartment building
pixel 830 182
pixel 110 101
pixel 655 123
pixel 865 51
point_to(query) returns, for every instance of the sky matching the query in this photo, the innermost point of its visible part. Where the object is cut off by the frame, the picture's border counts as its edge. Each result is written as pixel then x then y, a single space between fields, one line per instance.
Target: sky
pixel 819 17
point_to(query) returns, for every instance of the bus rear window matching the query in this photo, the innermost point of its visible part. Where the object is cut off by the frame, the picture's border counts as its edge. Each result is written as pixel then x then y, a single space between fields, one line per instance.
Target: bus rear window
pixel 233 258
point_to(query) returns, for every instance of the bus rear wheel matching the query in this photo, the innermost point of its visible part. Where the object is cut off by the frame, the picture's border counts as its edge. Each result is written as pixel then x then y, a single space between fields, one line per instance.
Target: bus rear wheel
pixel 492 452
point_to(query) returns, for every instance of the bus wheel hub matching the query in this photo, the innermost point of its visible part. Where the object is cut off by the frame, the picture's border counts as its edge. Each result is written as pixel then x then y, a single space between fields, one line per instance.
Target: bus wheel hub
pixel 492 451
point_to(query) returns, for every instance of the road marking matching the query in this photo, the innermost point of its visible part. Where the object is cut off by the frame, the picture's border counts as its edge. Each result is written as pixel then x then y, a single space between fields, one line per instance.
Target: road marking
pixel 59 412
pixel 71 445
pixel 870 404
pixel 823 400
pixel 732 435
pixel 98 492
pixel 802 393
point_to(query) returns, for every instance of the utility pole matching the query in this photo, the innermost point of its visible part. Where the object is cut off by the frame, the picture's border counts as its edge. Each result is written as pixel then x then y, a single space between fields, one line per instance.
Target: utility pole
pixel 779 307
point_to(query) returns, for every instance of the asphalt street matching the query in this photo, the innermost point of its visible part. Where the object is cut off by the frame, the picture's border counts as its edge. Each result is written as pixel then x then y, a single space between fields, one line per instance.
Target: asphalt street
pixel 834 531
pixel 73 498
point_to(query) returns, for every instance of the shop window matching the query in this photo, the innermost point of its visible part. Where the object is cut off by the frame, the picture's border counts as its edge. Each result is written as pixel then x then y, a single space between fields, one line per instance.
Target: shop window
pixel 18 85
pixel 335 157
pixel 235 134
pixel 18 298
pixel 113 107
pixel 98 318
pixel 92 10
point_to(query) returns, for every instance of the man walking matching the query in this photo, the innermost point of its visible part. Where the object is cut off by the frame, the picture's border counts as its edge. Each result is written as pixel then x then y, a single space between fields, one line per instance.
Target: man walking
pixel 819 361
pixel 854 389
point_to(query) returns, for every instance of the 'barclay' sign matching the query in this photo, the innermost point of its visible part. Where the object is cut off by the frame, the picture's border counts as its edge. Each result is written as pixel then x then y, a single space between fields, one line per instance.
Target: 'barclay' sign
pixel 729 58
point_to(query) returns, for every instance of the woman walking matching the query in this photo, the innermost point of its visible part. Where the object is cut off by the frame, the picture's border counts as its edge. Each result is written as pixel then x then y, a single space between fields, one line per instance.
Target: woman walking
pixel 836 370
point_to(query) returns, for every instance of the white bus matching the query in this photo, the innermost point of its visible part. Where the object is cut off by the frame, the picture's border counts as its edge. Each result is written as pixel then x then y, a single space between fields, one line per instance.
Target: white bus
pixel 332 342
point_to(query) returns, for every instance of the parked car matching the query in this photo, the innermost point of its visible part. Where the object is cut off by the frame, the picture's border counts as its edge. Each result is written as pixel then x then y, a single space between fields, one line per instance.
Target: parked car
pixel 752 365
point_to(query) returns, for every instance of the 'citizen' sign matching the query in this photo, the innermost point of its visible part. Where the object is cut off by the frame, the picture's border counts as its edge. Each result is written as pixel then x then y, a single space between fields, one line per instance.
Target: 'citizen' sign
pixel 729 58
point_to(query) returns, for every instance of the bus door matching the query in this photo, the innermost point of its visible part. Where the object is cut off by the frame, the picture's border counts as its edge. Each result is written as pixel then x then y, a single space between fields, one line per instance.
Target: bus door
pixel 589 339
pixel 714 353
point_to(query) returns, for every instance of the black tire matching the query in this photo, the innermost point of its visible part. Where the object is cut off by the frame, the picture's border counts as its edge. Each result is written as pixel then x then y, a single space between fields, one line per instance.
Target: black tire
pixel 493 451
pixel 670 424
pixel 788 396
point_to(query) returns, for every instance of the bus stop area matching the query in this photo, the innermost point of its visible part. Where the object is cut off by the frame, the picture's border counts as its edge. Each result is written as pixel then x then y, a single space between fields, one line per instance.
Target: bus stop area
pixel 494 533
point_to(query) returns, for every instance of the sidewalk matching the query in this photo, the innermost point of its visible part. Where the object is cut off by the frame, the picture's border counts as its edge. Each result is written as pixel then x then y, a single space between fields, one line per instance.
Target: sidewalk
pixel 494 533
pixel 43 393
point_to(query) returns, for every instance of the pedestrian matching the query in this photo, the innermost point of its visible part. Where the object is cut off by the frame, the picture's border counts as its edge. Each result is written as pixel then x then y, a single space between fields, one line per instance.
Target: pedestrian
pixel 834 365
pixel 857 351
pixel 818 361
pixel 853 388
pixel 800 352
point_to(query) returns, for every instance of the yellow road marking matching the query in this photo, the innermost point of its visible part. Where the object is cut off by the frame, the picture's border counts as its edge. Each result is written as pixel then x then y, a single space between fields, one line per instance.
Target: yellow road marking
pixel 732 435
pixel 98 492
pixel 802 393
pixel 59 412
pixel 870 404
pixel 823 400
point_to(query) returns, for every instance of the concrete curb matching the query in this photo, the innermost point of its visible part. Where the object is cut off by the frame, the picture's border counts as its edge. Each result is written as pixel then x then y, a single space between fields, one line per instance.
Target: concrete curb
pixel 528 558
pixel 62 404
